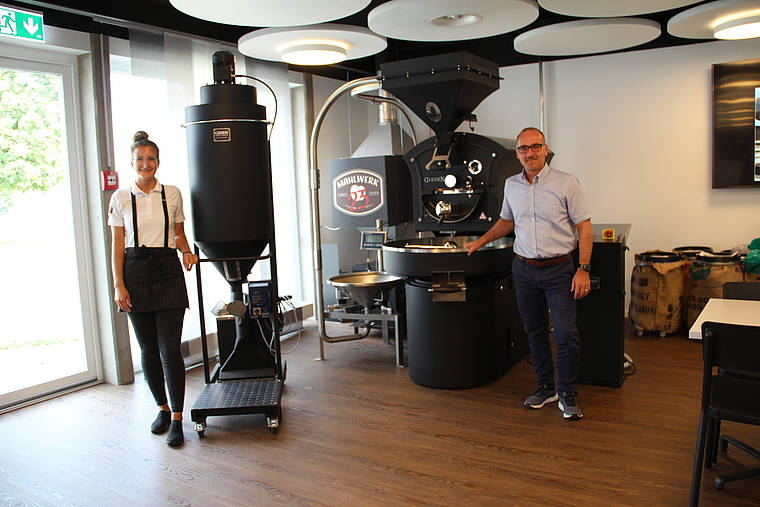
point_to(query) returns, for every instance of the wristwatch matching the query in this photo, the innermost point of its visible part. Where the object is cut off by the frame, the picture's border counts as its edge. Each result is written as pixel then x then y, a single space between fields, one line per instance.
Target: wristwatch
pixel 585 267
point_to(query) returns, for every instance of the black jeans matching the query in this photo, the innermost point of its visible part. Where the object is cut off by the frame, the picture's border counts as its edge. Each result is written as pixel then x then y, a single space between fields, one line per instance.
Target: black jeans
pixel 159 334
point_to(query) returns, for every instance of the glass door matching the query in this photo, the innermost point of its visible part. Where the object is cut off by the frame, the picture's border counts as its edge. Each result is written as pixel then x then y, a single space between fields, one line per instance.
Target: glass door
pixel 46 324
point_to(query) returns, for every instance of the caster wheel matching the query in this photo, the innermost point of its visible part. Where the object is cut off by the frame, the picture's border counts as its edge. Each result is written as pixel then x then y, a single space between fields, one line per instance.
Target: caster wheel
pixel 273 423
pixel 200 428
pixel 640 332
pixel 663 334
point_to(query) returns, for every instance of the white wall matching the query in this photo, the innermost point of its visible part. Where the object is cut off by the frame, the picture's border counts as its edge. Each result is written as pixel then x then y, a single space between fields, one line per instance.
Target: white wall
pixel 636 130
pixel 515 105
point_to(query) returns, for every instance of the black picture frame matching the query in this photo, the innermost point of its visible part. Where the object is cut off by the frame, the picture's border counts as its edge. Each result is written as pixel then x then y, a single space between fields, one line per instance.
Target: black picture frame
pixel 734 124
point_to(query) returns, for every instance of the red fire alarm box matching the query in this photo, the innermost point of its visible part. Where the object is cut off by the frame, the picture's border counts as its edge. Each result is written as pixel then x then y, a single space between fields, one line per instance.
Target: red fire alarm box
pixel 109 180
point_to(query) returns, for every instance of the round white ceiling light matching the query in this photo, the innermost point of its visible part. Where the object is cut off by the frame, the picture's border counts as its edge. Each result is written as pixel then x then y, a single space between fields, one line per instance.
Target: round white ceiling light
pixel 450 20
pixel 270 12
pixel 702 21
pixel 587 36
pixel 314 53
pixel 608 8
pixel 311 45
pixel 738 28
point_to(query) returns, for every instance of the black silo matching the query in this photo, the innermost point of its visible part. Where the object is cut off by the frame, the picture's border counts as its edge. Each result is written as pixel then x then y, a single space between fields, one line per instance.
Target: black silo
pixel 230 176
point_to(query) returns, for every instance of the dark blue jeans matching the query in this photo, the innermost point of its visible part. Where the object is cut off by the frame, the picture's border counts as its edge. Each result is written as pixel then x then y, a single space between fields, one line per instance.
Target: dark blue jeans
pixel 539 290
pixel 159 334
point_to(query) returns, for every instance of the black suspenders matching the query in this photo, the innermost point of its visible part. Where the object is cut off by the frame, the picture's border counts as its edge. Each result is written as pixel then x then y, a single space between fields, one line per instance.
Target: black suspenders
pixel 166 216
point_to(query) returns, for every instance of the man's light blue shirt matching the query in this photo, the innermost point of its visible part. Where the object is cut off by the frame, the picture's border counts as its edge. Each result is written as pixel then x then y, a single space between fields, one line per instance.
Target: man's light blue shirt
pixel 544 212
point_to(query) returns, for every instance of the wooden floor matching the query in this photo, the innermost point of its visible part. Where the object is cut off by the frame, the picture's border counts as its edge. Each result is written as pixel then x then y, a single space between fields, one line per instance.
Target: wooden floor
pixel 357 432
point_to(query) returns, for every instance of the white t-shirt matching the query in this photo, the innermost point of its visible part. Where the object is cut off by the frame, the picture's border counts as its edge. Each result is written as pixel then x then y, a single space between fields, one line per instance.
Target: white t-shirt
pixel 150 214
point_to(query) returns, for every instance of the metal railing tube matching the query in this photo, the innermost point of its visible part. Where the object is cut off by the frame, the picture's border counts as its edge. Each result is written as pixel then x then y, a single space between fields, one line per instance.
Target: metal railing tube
pixel 315 219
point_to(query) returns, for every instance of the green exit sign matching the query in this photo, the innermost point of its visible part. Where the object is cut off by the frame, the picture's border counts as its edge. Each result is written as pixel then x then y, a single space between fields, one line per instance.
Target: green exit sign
pixel 21 24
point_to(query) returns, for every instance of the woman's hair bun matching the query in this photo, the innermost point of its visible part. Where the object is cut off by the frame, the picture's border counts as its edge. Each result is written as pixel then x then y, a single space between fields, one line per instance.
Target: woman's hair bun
pixel 140 139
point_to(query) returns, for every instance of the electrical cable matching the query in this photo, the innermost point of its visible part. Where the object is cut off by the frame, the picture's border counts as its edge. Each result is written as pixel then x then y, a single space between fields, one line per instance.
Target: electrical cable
pixel 234 350
pixel 263 336
pixel 627 365
pixel 276 107
pixel 288 303
pixel 284 305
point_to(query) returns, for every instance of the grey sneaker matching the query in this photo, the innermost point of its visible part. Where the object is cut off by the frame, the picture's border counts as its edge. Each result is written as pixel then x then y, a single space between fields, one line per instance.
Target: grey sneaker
pixel 541 397
pixel 569 407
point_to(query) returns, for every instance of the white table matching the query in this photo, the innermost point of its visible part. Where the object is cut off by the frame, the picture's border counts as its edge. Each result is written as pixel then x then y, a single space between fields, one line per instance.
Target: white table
pixel 730 311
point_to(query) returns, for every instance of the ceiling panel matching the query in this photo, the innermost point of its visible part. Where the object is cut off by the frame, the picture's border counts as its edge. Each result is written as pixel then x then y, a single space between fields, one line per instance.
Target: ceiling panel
pixel 160 13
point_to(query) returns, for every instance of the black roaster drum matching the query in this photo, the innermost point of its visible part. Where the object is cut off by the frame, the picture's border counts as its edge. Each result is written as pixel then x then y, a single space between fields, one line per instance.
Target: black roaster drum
pixel 453 344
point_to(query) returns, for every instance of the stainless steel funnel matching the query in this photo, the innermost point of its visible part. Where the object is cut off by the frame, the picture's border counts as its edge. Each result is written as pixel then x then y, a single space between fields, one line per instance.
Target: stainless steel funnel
pixel 365 286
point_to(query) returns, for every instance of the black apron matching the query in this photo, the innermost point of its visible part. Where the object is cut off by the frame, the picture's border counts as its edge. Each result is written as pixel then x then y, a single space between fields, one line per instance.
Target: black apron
pixel 153 275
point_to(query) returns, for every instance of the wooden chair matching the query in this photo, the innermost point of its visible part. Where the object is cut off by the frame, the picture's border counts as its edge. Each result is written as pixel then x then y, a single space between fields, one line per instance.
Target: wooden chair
pixel 729 348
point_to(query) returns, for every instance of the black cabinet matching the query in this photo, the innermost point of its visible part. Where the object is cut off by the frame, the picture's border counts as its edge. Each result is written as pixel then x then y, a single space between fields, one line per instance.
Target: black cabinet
pixel 601 315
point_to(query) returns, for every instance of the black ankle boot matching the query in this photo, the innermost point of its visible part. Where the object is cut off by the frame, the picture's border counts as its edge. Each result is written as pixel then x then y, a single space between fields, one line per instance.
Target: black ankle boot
pixel 175 437
pixel 161 423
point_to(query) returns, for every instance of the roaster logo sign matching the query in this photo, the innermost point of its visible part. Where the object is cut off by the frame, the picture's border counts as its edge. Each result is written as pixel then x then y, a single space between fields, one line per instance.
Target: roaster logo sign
pixel 358 192
pixel 222 135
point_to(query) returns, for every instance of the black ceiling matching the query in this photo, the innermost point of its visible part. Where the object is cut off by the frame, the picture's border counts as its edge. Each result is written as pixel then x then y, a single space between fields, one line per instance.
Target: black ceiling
pixel 161 14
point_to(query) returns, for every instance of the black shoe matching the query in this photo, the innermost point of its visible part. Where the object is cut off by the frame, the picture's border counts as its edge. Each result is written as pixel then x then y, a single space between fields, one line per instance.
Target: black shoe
pixel 175 437
pixel 161 424
pixel 541 397
pixel 569 407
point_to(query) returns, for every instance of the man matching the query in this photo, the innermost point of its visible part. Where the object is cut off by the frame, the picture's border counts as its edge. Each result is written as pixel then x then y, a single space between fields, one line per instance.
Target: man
pixel 545 207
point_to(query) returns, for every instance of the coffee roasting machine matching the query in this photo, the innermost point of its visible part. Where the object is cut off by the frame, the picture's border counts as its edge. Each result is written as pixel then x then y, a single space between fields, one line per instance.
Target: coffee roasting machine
pixel 461 318
pixel 231 195
pixel 463 326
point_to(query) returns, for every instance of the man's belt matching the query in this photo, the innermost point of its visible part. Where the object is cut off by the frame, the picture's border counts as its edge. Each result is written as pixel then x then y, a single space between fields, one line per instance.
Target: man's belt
pixel 542 263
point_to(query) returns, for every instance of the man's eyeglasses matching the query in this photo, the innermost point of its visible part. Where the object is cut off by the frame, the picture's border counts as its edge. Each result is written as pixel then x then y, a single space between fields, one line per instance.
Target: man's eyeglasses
pixel 533 147
pixel 140 160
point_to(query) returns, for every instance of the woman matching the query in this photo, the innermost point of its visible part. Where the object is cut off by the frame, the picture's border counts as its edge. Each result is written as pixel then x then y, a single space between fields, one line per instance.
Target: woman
pixel 147 226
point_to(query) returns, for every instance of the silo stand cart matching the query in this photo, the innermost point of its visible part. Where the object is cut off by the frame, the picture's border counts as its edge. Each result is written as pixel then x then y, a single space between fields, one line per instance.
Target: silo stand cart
pixel 249 375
